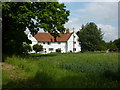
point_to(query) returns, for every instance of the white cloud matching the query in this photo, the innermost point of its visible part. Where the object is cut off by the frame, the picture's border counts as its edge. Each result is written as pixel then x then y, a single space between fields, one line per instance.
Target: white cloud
pixel 100 12
pixel 110 32
pixel 103 14
pixel 73 23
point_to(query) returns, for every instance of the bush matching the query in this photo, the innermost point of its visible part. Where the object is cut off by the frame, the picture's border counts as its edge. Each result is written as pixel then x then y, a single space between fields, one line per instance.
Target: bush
pixel 26 48
pixel 37 48
pixel 58 50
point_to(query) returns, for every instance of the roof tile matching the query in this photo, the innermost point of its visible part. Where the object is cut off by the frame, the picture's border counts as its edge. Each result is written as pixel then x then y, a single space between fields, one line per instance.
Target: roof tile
pixel 47 37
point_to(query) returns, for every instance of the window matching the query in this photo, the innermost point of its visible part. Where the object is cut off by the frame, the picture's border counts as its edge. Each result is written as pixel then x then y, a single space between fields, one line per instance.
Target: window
pixel 74 49
pixel 48 43
pixel 43 42
pixel 59 42
pixel 50 49
pixel 30 36
pixel 59 48
pixel 74 42
pixel 79 43
pixel 44 48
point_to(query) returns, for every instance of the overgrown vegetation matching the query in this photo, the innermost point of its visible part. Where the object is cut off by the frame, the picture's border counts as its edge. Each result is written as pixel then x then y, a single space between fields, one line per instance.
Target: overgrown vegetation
pixel 70 70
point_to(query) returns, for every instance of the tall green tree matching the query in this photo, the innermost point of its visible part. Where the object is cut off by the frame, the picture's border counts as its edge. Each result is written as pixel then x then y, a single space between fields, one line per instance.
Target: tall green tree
pixel 51 16
pixel 90 37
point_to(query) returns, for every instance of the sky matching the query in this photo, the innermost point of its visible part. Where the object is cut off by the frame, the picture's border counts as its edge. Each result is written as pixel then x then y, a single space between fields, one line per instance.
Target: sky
pixel 104 14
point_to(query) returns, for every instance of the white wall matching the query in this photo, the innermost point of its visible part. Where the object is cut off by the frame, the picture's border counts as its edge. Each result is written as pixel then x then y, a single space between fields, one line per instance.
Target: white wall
pixel 53 45
pixel 76 45
pixel 33 40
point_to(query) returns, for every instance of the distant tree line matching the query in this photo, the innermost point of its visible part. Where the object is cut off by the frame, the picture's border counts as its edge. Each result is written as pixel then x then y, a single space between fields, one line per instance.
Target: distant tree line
pixel 113 45
pixel 91 39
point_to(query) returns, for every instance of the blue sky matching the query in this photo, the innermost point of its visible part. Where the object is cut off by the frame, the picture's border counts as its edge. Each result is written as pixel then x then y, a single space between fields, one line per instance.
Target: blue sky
pixel 104 14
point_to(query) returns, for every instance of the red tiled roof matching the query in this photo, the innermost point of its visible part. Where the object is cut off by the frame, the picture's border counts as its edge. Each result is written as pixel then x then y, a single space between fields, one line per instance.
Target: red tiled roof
pixel 47 37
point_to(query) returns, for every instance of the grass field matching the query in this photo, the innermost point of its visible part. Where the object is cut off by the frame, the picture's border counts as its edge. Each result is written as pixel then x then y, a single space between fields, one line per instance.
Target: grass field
pixel 71 70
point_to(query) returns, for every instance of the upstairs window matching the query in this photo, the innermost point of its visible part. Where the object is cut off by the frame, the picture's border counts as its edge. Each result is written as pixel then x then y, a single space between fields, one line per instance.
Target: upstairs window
pixel 59 42
pixel 48 43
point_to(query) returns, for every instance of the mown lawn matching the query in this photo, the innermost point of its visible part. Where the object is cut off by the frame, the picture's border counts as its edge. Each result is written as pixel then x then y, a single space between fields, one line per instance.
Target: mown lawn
pixel 71 70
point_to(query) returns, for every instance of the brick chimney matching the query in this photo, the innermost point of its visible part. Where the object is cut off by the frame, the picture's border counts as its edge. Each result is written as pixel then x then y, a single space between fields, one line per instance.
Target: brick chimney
pixel 67 31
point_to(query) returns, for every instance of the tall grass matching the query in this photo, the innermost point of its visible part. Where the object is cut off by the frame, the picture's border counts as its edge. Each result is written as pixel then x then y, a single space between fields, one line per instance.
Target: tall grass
pixel 71 70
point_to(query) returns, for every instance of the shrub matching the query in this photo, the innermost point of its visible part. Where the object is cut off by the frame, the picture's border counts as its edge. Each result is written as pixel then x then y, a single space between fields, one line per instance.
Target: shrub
pixel 26 48
pixel 37 48
pixel 58 50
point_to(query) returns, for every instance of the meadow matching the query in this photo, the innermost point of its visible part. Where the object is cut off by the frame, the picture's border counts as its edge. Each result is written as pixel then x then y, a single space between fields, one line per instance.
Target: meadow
pixel 56 70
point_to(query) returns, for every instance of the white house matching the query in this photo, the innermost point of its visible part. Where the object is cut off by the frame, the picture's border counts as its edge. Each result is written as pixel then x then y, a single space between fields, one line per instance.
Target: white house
pixel 68 42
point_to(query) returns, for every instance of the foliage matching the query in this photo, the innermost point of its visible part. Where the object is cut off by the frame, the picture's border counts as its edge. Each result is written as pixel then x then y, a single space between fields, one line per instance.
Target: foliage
pixel 17 16
pixel 110 45
pixel 89 69
pixel 58 50
pixel 26 48
pixel 117 43
pixel 37 48
pixel 113 45
pixel 90 37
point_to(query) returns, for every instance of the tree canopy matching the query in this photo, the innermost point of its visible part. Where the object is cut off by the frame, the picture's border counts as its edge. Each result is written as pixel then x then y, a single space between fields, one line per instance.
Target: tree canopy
pixel 117 43
pixel 90 37
pixel 17 16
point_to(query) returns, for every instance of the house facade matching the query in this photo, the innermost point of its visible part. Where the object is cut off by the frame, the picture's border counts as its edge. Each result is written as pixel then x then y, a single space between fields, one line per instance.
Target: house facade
pixel 67 42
